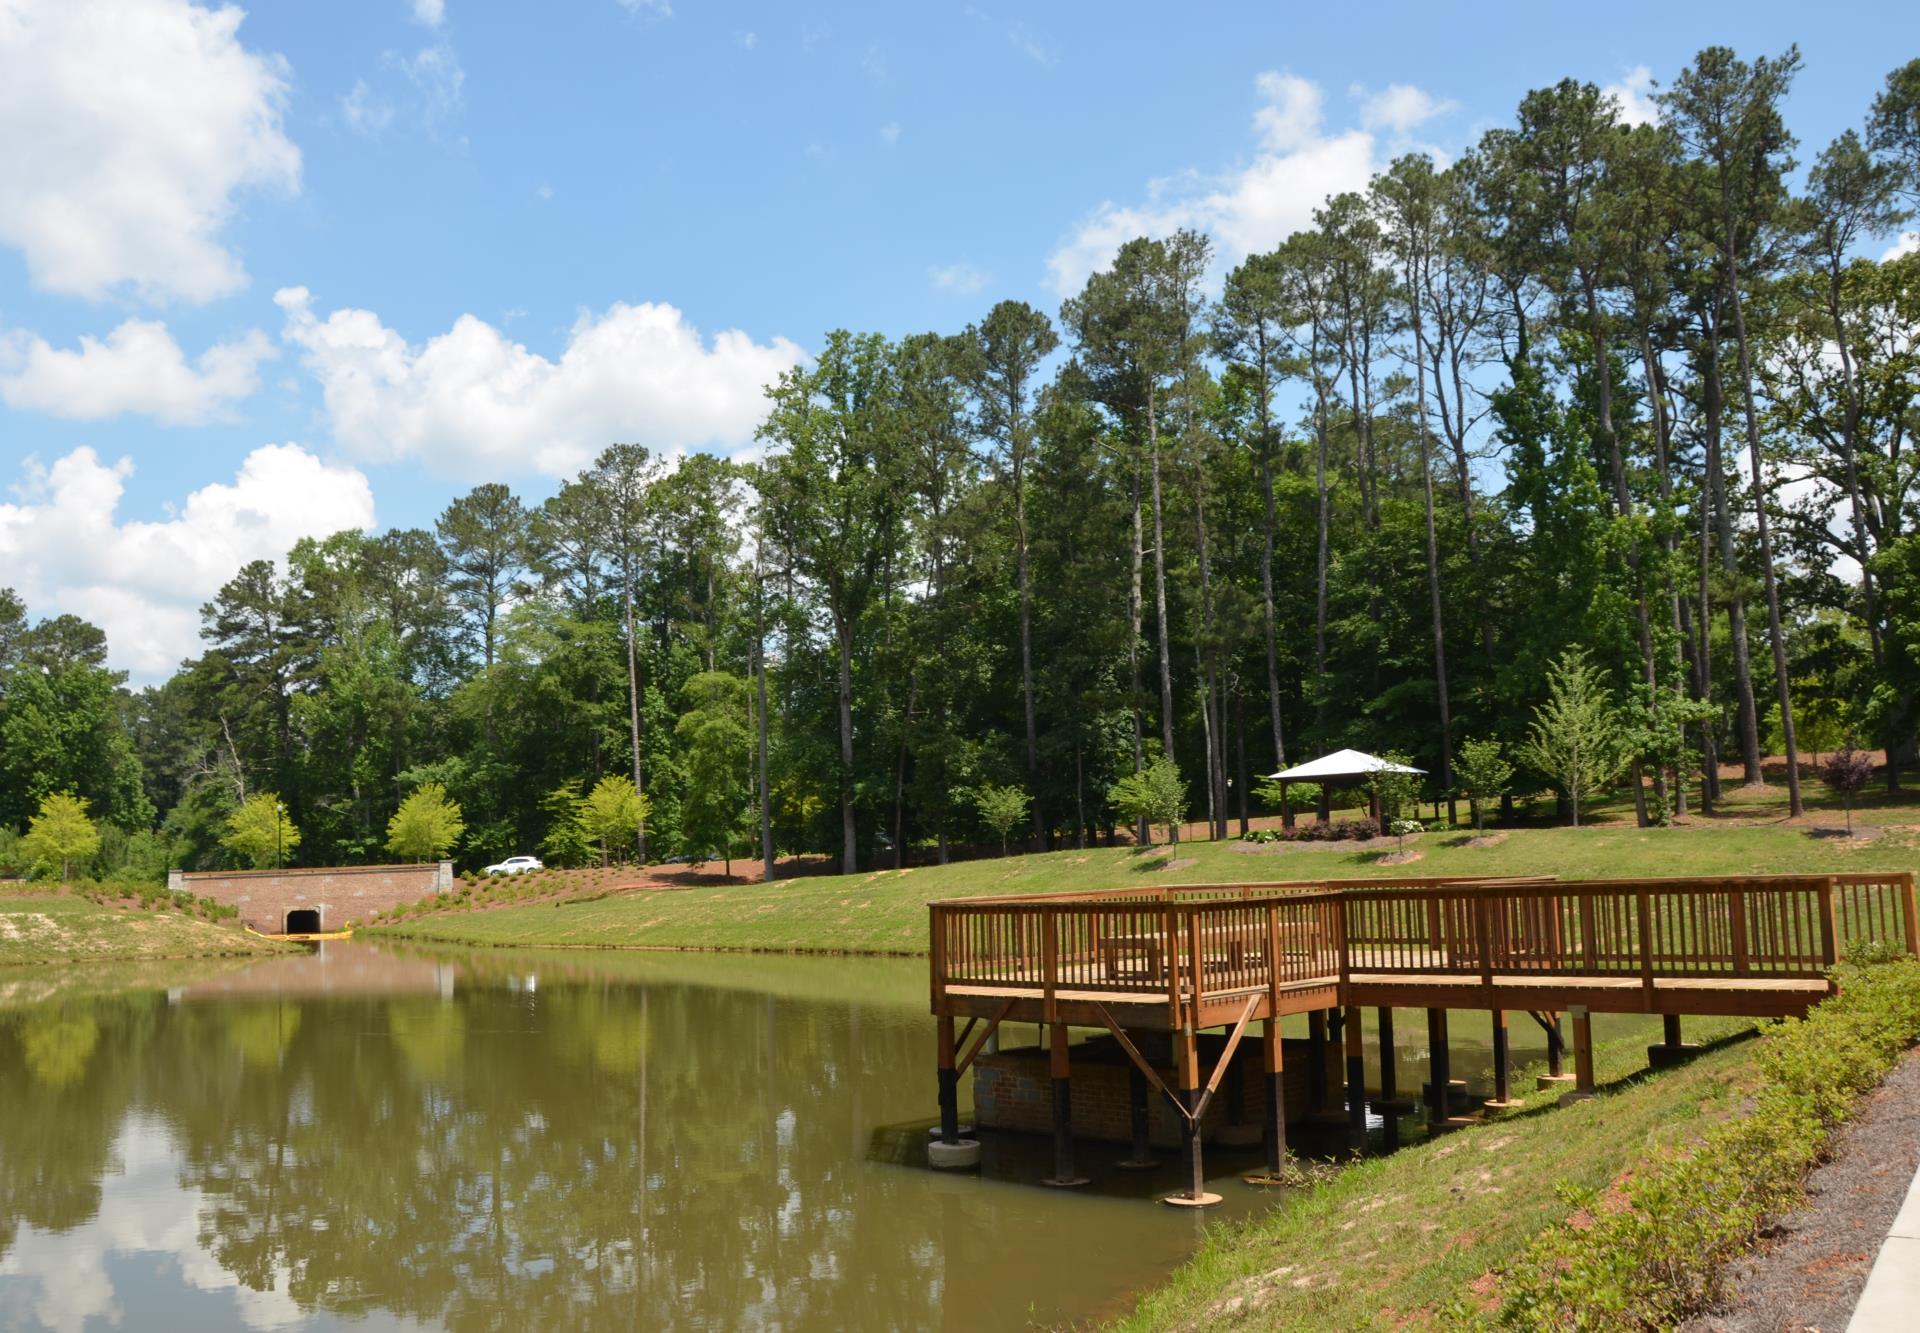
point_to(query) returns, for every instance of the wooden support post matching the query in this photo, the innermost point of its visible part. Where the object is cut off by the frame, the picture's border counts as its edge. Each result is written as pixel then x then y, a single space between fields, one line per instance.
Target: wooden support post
pixel 1141 1158
pixel 1389 1094
pixel 1439 1070
pixel 1063 1174
pixel 1671 1050
pixel 1502 1074
pixel 1556 1050
pixel 1193 1098
pixel 1582 1054
pixel 1317 1061
pixel 1275 1125
pixel 949 1084
pixel 1356 1080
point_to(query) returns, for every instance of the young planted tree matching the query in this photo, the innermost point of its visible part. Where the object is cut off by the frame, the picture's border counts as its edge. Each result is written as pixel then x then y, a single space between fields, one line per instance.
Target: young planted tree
pixel 262 831
pixel 427 825
pixel 1485 775
pixel 1154 795
pixel 1848 772
pixel 1000 809
pixel 1394 791
pixel 61 832
pixel 612 814
pixel 1576 740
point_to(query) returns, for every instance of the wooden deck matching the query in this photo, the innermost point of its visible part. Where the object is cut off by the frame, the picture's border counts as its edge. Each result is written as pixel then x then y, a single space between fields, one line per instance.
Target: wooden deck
pixel 1190 957
pixel 1183 959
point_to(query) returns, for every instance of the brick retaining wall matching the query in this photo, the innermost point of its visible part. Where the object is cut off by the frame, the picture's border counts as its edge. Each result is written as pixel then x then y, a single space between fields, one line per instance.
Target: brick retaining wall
pixel 1013 1089
pixel 340 894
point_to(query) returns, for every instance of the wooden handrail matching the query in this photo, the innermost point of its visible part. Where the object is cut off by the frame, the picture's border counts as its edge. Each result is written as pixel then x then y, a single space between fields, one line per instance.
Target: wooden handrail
pixel 1193 951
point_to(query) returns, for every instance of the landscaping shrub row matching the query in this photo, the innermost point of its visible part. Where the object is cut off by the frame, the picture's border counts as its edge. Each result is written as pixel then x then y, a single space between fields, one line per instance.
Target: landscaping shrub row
pixel 1661 1257
pixel 1313 831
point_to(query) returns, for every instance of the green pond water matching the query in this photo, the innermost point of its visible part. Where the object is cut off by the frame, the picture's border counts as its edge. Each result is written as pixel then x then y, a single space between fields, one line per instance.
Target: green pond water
pixel 371 1139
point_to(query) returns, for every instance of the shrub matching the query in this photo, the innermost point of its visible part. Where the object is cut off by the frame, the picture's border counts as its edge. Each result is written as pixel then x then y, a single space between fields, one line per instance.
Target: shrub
pixel 1660 1259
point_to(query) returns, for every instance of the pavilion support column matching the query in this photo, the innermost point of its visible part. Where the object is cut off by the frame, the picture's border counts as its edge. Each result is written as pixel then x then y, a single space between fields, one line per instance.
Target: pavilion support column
pixel 1286 808
pixel 1389 1094
pixel 1356 1080
pixel 1671 1050
pixel 1187 1068
pixel 1582 1054
pixel 1141 1158
pixel 1323 808
pixel 1063 1174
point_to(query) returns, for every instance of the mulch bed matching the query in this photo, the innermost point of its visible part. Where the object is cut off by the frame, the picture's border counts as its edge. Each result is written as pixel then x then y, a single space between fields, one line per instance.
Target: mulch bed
pixel 1809 1274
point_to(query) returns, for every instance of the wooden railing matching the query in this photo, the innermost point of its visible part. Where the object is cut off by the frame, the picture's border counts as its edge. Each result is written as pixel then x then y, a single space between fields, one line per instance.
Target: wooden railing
pixel 1189 944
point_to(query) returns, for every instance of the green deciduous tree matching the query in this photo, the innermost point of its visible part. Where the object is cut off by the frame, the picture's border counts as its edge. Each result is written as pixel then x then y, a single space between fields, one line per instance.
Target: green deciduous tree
pixel 1154 795
pixel 262 831
pixel 612 814
pixel 716 736
pixel 1001 808
pixel 427 825
pixel 61 832
pixel 1484 773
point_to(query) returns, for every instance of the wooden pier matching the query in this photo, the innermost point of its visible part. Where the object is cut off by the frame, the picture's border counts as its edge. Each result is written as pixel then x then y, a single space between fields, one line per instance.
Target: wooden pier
pixel 1181 960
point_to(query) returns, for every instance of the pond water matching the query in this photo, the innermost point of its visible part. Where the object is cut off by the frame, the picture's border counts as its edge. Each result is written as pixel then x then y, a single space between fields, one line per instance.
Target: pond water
pixel 382 1140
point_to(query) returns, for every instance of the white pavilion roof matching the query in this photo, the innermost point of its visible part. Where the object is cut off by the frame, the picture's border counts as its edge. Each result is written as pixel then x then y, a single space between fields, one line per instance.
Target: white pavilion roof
pixel 1340 764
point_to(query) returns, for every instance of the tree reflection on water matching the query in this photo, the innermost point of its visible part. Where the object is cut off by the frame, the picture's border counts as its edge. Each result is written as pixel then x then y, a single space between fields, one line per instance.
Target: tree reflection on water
pixel 594 1152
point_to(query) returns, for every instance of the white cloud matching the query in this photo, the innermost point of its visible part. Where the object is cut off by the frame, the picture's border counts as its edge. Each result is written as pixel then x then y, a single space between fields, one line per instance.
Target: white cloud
pixel 749 40
pixel 139 368
pixel 1022 40
pixel 1634 93
pixel 366 112
pixel 1400 108
pixel 962 278
pixel 66 550
pixel 1297 165
pixel 660 9
pixel 472 403
pixel 127 127
pixel 437 74
pixel 890 133
pixel 431 13
pixel 1909 243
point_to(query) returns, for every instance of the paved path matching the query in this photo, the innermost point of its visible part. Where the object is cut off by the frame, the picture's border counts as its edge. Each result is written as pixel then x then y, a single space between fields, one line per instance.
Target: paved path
pixel 1891 1301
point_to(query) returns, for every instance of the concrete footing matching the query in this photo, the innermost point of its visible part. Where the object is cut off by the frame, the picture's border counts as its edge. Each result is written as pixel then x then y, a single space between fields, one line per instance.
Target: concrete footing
pixel 953 1156
pixel 1201 1200
pixel 1548 1082
pixel 1666 1057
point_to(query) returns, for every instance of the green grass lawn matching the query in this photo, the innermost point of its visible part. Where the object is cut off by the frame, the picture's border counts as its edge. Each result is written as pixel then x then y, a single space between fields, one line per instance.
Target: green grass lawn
pixel 884 911
pixel 1389 1243
pixel 41 927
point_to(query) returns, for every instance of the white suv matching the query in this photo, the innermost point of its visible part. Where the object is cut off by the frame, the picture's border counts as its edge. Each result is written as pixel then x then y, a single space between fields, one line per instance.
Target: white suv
pixel 515 865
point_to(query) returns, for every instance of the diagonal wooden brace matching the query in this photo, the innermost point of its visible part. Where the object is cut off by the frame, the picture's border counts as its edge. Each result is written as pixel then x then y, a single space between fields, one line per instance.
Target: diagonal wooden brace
pixel 993 1026
pixel 1141 1063
pixel 1226 1057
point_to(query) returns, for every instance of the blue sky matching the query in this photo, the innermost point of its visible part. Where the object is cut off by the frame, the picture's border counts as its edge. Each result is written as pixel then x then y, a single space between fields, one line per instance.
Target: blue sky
pixel 330 264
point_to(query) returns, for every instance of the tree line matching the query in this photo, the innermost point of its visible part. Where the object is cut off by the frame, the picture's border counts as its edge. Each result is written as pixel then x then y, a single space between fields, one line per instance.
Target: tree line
pixel 1633 396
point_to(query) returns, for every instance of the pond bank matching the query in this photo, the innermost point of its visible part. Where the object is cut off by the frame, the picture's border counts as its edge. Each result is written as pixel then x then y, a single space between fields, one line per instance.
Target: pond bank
pixel 1392 1241
pixel 39 928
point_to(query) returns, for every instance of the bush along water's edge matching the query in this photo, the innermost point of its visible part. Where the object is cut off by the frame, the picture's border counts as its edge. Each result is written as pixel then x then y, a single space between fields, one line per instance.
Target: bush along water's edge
pixel 1661 1257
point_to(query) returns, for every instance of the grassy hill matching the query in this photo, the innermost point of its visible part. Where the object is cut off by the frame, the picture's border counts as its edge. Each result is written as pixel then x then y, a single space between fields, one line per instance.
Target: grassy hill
pixel 42 927
pixel 883 911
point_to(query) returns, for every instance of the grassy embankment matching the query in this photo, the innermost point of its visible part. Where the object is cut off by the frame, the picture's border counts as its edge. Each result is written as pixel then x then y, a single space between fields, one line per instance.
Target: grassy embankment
pixel 41 925
pixel 884 911
pixel 1617 1213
